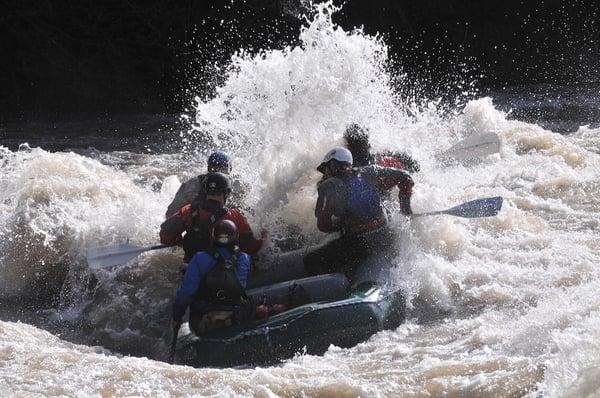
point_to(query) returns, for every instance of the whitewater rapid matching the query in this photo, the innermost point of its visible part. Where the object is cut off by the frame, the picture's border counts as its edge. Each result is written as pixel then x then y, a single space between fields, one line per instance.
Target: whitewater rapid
pixel 505 306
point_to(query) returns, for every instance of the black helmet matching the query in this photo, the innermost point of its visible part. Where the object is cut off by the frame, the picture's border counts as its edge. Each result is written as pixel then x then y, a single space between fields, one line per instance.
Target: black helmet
pixel 217 183
pixel 357 141
pixel 219 161
pixel 225 233
pixel 357 137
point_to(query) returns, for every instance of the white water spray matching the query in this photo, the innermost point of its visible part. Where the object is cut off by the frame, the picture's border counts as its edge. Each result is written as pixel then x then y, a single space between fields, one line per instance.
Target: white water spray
pixel 506 306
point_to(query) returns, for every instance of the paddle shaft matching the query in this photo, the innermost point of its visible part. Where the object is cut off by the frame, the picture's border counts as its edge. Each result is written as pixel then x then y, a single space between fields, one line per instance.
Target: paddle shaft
pixel 174 342
pixel 429 213
pixel 113 255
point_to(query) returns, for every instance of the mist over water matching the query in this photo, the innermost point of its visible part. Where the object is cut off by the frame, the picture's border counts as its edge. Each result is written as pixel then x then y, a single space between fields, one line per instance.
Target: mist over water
pixel 506 306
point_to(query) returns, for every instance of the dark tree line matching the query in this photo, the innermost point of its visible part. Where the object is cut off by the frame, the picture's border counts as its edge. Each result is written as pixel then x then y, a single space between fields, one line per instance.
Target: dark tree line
pixel 65 57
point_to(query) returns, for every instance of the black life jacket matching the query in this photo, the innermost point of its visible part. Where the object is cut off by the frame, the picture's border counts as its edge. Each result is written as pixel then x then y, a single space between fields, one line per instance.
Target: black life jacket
pixel 204 217
pixel 221 285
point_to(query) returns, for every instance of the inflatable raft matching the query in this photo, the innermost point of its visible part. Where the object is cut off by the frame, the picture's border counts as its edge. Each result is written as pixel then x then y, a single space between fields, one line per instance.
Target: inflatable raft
pixel 323 310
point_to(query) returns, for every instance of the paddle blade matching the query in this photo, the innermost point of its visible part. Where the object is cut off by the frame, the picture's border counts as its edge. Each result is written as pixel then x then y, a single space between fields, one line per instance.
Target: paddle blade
pixel 108 256
pixel 487 207
pixel 473 147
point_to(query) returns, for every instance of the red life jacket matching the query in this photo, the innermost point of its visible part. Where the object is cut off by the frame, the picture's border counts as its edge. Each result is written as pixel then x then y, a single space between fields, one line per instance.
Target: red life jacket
pixel 390 161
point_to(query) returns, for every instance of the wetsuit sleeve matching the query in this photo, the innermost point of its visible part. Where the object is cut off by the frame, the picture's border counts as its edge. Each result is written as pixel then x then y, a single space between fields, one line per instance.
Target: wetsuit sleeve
pixel 243 269
pixel 186 194
pixel 174 226
pixel 326 209
pixel 387 177
pixel 248 243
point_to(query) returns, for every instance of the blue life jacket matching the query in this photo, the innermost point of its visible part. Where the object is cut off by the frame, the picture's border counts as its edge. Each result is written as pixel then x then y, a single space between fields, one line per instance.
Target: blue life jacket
pixel 363 202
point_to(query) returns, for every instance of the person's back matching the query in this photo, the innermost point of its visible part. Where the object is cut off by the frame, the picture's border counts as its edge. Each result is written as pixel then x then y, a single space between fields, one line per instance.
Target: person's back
pixel 197 220
pixel 349 201
pixel 214 283
pixel 188 193
pixel 193 190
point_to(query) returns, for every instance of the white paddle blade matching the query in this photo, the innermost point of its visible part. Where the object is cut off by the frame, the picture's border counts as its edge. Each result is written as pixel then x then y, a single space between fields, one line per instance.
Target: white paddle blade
pixel 108 256
pixel 473 147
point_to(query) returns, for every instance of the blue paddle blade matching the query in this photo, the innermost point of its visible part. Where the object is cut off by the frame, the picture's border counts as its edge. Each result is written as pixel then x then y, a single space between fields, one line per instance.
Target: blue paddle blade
pixel 487 207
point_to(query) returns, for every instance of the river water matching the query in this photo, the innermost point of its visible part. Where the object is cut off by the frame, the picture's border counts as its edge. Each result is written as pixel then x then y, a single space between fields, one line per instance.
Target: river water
pixel 505 306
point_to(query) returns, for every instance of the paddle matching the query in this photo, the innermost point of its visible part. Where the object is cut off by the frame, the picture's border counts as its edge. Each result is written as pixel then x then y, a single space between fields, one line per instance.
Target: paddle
pixel 472 147
pixel 174 342
pixel 486 207
pixel 108 256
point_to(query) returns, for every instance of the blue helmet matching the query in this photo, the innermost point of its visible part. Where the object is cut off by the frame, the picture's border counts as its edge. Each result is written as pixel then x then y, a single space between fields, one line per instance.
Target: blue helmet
pixel 219 161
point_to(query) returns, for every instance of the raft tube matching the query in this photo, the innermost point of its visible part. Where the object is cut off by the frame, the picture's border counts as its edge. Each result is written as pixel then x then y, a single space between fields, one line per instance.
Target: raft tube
pixel 337 315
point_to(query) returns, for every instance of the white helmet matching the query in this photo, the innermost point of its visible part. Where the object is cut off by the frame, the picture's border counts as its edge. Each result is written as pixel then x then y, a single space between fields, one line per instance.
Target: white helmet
pixel 340 154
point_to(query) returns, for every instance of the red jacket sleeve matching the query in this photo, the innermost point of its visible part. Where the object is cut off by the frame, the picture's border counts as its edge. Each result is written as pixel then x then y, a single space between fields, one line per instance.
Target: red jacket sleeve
pixel 174 226
pixel 248 243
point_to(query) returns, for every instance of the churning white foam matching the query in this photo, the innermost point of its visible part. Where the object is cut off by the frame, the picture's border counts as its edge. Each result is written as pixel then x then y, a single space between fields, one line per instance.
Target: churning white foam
pixel 506 306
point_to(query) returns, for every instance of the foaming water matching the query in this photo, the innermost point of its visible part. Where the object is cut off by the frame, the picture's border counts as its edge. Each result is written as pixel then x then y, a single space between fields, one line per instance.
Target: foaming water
pixel 505 306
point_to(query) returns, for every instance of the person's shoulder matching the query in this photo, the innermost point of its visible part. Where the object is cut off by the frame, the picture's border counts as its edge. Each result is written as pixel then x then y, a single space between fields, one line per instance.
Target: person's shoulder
pixel 202 257
pixel 330 184
pixel 185 209
pixel 193 184
pixel 399 159
pixel 236 213
pixel 372 169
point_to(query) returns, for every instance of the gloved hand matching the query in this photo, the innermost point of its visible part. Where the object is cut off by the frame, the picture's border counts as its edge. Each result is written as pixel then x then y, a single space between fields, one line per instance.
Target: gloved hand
pixel 405 205
pixel 178 313
pixel 264 234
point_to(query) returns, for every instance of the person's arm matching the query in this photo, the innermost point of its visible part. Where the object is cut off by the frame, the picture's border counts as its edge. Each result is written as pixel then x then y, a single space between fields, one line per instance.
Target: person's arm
pixel 404 195
pixel 325 209
pixel 243 269
pixel 174 226
pixel 195 273
pixel 248 243
pixel 388 177
pixel 186 193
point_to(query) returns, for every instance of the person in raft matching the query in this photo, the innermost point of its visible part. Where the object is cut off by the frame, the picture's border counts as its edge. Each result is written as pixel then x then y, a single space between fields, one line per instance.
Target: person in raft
pixel 193 190
pixel 349 202
pixel 197 220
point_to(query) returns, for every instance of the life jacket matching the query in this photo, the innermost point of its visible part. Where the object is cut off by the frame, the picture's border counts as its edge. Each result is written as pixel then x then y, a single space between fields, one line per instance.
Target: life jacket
pixel 221 285
pixel 363 205
pixel 198 234
pixel 390 161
